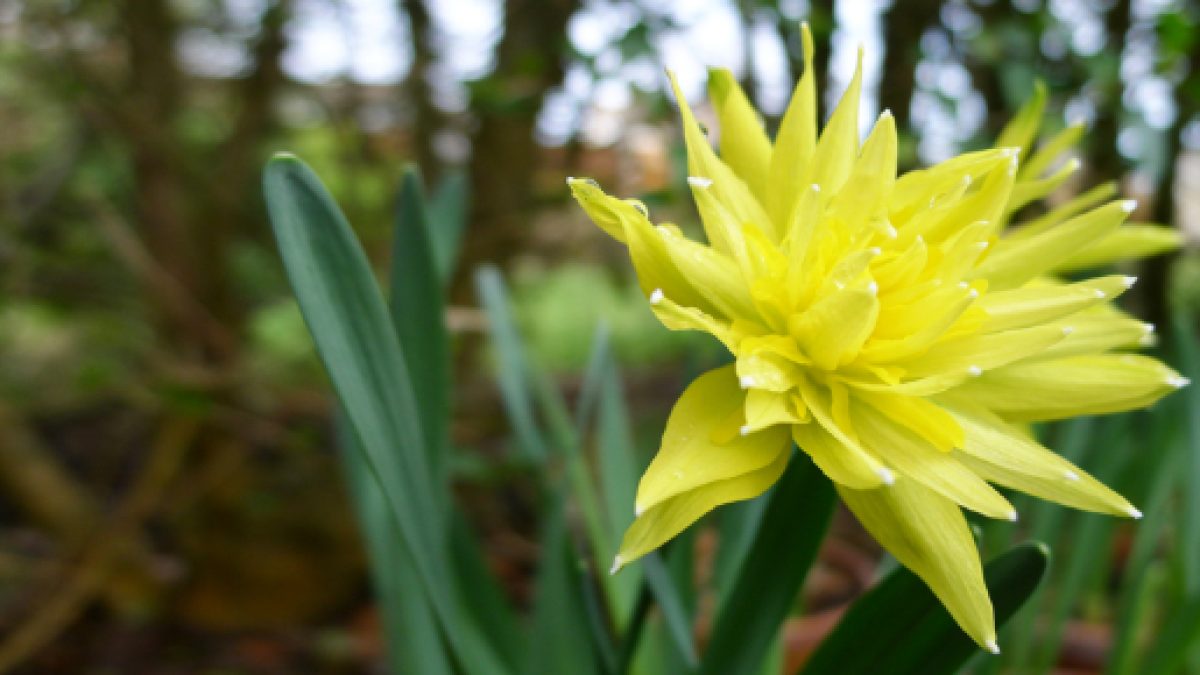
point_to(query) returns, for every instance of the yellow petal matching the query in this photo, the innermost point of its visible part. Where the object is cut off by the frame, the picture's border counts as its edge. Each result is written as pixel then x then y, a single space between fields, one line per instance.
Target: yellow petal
pixel 676 317
pixel 703 268
pixel 862 201
pixel 1015 262
pixel 924 418
pixel 1044 302
pixel 1003 455
pixel 834 329
pixel 1028 191
pixel 1077 205
pixel 1051 150
pixel 1129 242
pixel 768 362
pixel 743 143
pixel 980 353
pixel 1096 333
pixel 704 163
pixel 848 465
pixel 928 534
pixel 768 408
pixel 795 141
pixel 689 457
pixel 917 460
pixel 670 517
pixel 1079 385
pixel 1023 128
pixel 838 144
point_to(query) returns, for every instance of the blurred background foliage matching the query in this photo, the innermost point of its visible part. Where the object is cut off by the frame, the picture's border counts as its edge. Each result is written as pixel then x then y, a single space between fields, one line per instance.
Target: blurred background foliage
pixel 168 479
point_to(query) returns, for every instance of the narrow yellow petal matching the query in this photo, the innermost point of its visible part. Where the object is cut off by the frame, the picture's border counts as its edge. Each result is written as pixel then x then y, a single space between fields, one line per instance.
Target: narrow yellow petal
pixel 1015 262
pixel 677 317
pixel 668 518
pixel 689 435
pixel 1077 205
pixel 928 534
pixel 1129 242
pixel 983 352
pixel 1051 150
pixel 915 459
pixel 921 416
pixel 1023 127
pixel 1079 385
pixel 847 465
pixel 834 329
pixel 1095 333
pixel 704 163
pixel 863 200
pixel 795 141
pixel 1044 302
pixel 1027 191
pixel 743 143
pixel 723 283
pixel 838 144
pixel 1003 455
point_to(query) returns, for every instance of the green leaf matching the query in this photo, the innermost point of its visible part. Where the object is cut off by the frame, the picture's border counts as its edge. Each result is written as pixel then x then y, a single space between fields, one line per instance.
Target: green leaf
pixel 482 597
pixel 409 623
pixel 797 513
pixel 899 627
pixel 448 217
pixel 675 613
pixel 561 641
pixel 418 314
pixel 512 373
pixel 346 315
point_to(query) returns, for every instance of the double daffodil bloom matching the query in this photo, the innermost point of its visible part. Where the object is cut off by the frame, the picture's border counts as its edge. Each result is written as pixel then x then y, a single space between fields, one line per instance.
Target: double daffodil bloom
pixel 894 327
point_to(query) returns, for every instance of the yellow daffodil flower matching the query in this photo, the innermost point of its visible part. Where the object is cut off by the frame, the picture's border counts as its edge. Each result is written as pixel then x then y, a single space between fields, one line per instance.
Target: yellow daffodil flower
pixel 894 327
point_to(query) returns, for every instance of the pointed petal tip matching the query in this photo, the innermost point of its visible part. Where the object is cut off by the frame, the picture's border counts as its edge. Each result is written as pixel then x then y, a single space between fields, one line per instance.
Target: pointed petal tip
pixel 656 296
pixel 1070 475
pixel 1135 513
pixel 1129 205
pixel 886 475
pixel 618 563
pixel 746 381
pixel 992 646
pixel 1178 381
pixel 974 371
pixel 744 430
pixel 699 181
pixel 1012 516
pixel 1129 281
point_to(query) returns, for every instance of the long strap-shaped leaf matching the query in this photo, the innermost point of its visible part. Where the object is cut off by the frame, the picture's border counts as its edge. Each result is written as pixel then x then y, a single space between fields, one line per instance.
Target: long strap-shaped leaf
pixel 899 627
pixel 770 577
pixel 345 313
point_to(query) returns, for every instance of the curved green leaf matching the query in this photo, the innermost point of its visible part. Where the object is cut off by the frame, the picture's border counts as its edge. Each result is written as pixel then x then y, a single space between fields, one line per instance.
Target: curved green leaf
pixel 899 627
pixel 791 529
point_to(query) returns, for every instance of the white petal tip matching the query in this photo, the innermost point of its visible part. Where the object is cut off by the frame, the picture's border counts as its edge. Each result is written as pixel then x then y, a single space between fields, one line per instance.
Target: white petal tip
pixel 638 510
pixel 1100 294
pixel 746 381
pixel 1134 513
pixel 1067 330
pixel 1178 381
pixel 982 245
pixel 1012 516
pixel 618 563
pixel 974 293
pixel 875 250
pixel 992 646
pixel 887 112
pixel 699 181
pixel 974 371
pixel 1073 164
pixel 891 231
pixel 886 476
pixel 1148 327
pixel 814 187
pixel 873 288
pixel 1129 205
pixel 1070 475
pixel 570 179
pixel 656 296
pixel 744 430
pixel 1129 281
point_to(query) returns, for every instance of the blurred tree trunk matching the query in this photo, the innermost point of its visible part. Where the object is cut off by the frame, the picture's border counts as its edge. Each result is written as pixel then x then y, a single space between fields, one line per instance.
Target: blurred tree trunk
pixel 427 119
pixel 903 25
pixel 1105 159
pixel 530 60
